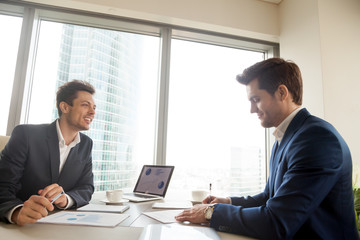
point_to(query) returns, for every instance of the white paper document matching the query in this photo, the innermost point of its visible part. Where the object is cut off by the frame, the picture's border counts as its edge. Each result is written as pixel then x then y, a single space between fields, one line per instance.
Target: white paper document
pixel 176 232
pixel 103 208
pixel 85 218
pixel 166 216
pixel 173 205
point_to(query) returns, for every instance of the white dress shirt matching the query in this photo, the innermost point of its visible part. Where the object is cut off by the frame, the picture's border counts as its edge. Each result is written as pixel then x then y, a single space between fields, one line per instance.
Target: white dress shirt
pixel 64 153
pixel 281 129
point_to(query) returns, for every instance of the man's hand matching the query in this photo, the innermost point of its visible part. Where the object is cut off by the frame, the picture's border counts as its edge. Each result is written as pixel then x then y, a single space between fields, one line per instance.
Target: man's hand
pixel 34 208
pixel 51 191
pixel 216 200
pixel 193 215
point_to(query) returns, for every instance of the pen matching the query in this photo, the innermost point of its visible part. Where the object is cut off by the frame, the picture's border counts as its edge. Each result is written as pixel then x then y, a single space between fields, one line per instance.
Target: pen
pixel 209 193
pixel 57 196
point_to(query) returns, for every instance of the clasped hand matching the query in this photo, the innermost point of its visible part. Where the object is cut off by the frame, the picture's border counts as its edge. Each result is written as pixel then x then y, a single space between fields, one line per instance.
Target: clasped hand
pixel 38 206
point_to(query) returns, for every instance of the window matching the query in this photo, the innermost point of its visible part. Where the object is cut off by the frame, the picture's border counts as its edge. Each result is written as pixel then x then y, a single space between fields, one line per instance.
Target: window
pixel 212 137
pixel 10 28
pixel 163 96
pixel 123 69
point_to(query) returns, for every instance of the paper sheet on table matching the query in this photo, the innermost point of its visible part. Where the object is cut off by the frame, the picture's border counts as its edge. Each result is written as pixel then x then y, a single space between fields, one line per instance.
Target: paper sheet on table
pixel 85 218
pixel 103 208
pixel 173 205
pixel 166 216
pixel 175 232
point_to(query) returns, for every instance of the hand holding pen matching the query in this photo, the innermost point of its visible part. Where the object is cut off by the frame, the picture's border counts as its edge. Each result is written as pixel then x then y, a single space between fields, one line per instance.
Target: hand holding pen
pixel 56 197
pixel 38 206
pixel 213 199
pixel 55 194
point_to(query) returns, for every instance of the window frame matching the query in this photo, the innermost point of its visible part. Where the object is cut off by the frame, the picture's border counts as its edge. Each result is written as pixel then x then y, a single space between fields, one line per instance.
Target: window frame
pixel 32 15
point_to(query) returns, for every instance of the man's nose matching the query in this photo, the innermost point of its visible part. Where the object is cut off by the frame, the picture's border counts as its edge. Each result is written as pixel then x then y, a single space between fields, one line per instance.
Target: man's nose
pixel 253 108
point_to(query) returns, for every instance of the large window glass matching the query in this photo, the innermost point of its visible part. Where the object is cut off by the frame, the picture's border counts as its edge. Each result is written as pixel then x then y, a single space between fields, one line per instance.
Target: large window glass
pixel 10 28
pixel 163 95
pixel 212 137
pixel 123 68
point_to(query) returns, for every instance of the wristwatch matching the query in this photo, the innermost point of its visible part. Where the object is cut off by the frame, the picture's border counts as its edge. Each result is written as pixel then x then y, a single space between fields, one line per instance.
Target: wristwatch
pixel 209 211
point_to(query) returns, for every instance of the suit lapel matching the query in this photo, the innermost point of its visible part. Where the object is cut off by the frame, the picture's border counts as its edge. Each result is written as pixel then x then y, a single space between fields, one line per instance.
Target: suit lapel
pixel 53 145
pixel 273 162
pixel 293 127
pixel 276 156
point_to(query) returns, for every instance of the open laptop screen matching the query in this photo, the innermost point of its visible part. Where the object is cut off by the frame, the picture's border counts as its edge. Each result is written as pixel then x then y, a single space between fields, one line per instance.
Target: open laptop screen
pixel 154 179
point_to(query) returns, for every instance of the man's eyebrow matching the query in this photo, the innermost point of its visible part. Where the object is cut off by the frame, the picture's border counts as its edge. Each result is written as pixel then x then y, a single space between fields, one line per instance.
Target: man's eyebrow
pixel 88 102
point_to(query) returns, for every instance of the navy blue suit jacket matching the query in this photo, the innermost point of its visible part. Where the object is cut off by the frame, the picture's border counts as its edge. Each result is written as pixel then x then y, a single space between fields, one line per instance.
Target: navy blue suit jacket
pixel 30 161
pixel 309 191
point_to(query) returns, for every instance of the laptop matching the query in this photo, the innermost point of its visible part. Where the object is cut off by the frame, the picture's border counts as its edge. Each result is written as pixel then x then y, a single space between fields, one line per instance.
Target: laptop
pixel 152 183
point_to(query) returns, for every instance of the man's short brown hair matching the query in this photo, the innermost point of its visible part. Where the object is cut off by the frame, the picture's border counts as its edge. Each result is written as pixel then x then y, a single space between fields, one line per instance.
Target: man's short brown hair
pixel 68 92
pixel 272 73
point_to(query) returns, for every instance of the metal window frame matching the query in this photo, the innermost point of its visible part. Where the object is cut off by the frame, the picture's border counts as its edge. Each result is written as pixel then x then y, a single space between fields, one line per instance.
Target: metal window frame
pixel 32 14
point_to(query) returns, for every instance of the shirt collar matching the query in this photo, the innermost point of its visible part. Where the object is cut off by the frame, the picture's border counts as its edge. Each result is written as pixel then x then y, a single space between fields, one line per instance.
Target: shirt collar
pixel 281 129
pixel 61 138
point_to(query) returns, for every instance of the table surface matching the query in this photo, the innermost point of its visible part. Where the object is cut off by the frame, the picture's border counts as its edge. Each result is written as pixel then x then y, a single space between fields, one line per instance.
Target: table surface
pixel 129 229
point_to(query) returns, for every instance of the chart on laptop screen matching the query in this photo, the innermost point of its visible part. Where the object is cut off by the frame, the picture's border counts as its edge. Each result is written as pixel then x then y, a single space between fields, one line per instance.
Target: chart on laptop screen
pixel 153 180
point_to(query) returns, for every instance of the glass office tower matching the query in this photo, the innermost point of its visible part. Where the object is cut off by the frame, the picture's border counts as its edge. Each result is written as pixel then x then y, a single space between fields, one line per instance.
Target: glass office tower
pixel 246 175
pixel 106 60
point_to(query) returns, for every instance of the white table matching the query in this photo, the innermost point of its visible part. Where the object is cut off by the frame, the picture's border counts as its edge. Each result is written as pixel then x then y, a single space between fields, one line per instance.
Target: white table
pixel 129 229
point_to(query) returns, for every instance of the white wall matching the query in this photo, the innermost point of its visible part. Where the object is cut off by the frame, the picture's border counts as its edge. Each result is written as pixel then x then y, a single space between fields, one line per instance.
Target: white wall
pixel 323 37
pixel 300 42
pixel 340 56
pixel 249 18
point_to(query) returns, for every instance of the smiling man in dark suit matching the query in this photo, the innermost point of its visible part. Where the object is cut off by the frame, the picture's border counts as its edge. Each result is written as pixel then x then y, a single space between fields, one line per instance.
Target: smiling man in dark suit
pixel 42 161
pixel 309 191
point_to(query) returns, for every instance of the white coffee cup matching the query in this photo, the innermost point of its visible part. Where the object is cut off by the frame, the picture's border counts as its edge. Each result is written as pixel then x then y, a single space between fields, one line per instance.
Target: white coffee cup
pixel 199 195
pixel 114 195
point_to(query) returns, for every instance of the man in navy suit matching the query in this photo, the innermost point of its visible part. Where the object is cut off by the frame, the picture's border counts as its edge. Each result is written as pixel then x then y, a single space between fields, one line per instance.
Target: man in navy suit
pixel 309 191
pixel 42 161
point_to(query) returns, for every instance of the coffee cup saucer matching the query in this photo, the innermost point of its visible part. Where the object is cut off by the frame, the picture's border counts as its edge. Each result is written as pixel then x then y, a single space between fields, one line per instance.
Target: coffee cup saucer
pixel 116 202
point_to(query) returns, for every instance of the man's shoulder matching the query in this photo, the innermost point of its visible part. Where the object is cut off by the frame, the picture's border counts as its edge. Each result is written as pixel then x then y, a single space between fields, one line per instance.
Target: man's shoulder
pixel 317 122
pixel 317 128
pixel 85 138
pixel 32 127
pixel 305 119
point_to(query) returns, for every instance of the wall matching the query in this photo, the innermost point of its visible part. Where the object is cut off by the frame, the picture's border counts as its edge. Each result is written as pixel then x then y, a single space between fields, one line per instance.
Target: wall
pixel 340 52
pixel 300 42
pixel 323 37
pixel 249 18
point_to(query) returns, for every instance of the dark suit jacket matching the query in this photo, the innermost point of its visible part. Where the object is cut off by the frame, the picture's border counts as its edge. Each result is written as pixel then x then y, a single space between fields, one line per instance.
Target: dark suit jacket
pixel 30 161
pixel 309 191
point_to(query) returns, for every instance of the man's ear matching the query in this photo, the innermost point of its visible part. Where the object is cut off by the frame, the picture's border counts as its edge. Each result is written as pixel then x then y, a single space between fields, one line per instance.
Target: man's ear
pixel 64 107
pixel 283 92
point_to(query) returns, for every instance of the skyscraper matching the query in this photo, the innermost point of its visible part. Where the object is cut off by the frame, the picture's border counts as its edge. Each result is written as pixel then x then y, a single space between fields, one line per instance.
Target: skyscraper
pixel 247 171
pixel 106 59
